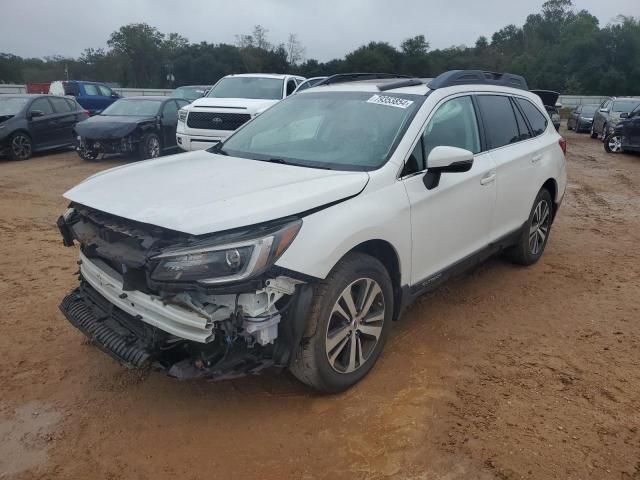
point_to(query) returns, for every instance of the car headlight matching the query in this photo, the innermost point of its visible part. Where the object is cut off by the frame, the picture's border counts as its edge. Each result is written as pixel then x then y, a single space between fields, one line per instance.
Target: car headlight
pixel 182 115
pixel 223 263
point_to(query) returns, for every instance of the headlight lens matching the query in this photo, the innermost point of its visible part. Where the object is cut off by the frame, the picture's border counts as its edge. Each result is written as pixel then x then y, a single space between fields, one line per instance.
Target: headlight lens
pixel 182 115
pixel 212 264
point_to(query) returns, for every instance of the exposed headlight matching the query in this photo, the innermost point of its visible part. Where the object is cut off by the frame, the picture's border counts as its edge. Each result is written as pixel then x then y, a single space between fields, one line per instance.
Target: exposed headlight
pixel 182 115
pixel 222 263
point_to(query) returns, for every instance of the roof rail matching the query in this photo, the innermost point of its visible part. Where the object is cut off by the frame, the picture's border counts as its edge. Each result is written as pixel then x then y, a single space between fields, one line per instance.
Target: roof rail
pixel 409 82
pixel 354 77
pixel 480 77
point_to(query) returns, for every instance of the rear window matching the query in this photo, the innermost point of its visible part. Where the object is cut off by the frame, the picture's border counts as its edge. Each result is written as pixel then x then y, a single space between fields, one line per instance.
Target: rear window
pixel 499 120
pixel 536 119
pixel 71 89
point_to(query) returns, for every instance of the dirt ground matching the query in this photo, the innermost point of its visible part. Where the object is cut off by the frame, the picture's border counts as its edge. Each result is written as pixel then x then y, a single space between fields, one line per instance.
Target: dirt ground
pixel 505 373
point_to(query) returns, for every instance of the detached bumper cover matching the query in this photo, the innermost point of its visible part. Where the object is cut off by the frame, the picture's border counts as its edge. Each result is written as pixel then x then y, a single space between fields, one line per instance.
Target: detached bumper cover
pixel 169 318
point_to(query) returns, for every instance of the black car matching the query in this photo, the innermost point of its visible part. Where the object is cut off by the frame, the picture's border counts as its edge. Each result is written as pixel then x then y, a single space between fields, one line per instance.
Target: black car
pixel 626 134
pixel 144 126
pixel 191 92
pixel 549 100
pixel 31 123
pixel 581 117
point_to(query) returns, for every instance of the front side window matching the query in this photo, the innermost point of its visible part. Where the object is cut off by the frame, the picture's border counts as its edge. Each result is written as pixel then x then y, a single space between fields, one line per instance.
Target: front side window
pixel 453 125
pixel 42 105
pixel 170 111
pixel 248 87
pixel 336 130
pixel 536 119
pixel 133 108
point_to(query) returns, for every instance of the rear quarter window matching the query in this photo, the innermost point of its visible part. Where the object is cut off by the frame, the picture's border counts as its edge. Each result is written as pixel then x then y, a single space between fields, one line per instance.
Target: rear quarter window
pixel 537 120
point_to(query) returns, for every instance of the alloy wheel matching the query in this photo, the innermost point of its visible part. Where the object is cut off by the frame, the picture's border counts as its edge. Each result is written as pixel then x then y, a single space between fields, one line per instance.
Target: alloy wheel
pixel 355 325
pixel 21 147
pixel 539 227
pixel 153 147
pixel 614 142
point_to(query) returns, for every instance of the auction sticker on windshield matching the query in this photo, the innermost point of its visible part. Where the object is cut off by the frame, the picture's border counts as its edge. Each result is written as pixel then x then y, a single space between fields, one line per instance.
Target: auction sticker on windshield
pixel 390 101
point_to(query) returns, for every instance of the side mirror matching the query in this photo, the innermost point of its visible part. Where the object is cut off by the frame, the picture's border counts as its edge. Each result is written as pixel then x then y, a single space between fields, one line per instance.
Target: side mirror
pixel 444 159
pixel 624 115
pixel 603 110
pixel 36 113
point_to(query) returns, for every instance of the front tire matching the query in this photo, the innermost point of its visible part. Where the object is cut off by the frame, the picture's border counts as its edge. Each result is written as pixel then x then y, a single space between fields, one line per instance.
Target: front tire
pixel 535 233
pixel 20 146
pixel 348 325
pixel 149 146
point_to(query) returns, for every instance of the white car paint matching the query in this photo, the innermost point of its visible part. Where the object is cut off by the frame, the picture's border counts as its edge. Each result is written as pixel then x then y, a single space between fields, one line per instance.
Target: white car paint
pixel 430 230
pixel 200 192
pixel 190 139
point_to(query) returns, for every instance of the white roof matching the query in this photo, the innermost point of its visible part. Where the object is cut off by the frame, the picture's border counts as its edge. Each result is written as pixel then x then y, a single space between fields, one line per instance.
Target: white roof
pixel 263 75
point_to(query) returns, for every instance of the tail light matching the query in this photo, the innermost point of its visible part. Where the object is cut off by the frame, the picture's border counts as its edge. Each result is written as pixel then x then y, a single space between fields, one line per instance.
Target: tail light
pixel 563 144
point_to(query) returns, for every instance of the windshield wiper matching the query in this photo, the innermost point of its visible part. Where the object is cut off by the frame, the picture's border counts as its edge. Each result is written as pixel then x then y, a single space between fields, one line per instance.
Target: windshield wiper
pixel 217 148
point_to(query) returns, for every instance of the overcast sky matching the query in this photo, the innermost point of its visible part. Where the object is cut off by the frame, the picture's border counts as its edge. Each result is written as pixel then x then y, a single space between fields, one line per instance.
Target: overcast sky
pixel 327 28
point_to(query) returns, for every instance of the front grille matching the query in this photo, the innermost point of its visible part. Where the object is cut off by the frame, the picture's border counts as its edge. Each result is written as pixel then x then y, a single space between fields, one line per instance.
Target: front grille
pixel 217 120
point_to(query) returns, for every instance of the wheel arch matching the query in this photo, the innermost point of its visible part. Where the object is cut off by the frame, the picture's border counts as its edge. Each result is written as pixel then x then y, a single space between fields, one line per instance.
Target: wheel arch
pixel 552 187
pixel 386 253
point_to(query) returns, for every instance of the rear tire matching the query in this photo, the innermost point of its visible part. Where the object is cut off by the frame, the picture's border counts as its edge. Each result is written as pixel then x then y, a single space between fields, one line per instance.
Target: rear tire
pixel 149 146
pixel 535 233
pixel 613 144
pixel 348 325
pixel 20 146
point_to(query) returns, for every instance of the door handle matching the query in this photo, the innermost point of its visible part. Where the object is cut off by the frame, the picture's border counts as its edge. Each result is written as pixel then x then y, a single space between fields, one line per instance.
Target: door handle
pixel 488 178
pixel 536 158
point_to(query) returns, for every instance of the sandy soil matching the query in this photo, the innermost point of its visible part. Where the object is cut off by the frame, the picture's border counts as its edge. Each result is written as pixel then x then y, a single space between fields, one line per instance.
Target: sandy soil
pixel 505 373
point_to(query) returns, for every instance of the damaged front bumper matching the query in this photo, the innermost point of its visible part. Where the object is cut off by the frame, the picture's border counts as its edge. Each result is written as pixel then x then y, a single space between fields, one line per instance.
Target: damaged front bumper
pixel 220 332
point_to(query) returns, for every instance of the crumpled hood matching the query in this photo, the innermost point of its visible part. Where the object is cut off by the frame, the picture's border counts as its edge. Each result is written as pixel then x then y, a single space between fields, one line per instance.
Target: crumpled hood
pixel 237 105
pixel 104 127
pixel 201 192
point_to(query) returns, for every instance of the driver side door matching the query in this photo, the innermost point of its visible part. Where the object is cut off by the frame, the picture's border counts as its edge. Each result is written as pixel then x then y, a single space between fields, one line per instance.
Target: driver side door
pixel 451 221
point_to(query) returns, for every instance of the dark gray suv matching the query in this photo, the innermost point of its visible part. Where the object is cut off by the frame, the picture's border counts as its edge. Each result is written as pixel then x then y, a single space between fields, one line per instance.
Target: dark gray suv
pixel 608 115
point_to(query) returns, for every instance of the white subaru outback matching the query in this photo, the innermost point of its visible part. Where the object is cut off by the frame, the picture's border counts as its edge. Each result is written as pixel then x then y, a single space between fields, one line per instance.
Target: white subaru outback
pixel 296 242
pixel 230 103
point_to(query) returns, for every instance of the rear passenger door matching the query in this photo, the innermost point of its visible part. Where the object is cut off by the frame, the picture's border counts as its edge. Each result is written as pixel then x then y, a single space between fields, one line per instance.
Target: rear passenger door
pixel 66 118
pixel 452 220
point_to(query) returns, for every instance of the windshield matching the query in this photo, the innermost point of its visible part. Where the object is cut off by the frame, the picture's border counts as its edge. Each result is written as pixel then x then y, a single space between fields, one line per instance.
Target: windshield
pixel 248 87
pixel 336 130
pixel 589 109
pixel 133 108
pixel 624 105
pixel 189 93
pixel 12 105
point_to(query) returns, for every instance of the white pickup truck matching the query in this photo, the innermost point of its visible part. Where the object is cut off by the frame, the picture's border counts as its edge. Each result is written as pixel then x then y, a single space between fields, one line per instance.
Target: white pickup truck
pixel 232 102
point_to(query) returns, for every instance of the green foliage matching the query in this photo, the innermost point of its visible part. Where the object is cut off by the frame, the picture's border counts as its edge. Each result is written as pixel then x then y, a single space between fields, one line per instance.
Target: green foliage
pixel 559 48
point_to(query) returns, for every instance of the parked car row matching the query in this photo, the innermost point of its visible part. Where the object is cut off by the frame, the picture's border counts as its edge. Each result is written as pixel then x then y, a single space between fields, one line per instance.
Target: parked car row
pixel 616 121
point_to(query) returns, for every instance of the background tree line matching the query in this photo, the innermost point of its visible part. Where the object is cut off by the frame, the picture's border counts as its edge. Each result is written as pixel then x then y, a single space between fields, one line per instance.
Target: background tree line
pixel 558 48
